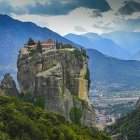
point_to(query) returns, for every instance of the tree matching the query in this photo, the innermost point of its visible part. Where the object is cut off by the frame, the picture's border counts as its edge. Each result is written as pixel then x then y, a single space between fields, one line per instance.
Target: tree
pixel 39 47
pixel 31 42
pixel 57 45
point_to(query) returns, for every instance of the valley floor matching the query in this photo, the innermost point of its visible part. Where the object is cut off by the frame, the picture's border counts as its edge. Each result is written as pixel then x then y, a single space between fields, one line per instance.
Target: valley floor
pixel 110 108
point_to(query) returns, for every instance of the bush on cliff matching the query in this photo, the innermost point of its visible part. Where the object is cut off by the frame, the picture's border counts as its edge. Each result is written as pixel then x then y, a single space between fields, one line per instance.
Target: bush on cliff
pixel 87 77
pixel 75 115
pixel 24 121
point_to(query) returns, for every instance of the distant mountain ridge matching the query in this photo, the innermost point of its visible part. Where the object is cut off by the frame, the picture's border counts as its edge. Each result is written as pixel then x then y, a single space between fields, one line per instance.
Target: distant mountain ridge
pixel 136 56
pixel 125 73
pixel 14 34
pixel 104 45
pixel 127 40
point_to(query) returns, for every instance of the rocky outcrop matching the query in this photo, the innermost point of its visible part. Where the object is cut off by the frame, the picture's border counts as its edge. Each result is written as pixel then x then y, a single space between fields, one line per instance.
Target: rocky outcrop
pixel 138 103
pixel 59 77
pixel 119 136
pixel 8 86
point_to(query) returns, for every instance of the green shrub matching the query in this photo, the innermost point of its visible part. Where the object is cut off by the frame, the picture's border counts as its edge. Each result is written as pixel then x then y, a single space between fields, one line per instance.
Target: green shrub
pixel 61 136
pixel 32 52
pixel 75 115
pixel 40 102
pixel 87 77
pixel 62 91
pixel 24 121
pixel 4 136
pixel 26 97
pixel 129 125
pixel 66 46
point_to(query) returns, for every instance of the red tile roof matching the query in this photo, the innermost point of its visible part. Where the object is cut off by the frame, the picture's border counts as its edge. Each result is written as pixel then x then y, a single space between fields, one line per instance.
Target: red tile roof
pixel 50 42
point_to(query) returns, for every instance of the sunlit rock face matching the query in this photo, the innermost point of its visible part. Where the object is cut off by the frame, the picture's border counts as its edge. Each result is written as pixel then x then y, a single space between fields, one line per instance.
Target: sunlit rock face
pixel 60 78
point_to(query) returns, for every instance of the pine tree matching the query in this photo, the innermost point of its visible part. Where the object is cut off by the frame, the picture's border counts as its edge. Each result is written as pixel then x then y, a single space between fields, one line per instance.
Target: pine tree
pixel 57 45
pixel 30 42
pixel 39 47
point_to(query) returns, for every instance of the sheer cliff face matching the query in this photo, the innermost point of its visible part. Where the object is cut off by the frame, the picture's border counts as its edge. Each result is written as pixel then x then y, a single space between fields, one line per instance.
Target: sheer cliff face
pixel 138 103
pixel 59 77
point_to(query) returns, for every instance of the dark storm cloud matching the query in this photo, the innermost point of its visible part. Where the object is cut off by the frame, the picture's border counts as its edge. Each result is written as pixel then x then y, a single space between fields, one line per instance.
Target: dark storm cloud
pixel 79 29
pixel 129 7
pixel 61 7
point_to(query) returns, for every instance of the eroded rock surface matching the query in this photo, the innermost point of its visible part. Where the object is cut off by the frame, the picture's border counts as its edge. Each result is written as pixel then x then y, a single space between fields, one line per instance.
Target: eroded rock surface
pixel 8 86
pixel 138 103
pixel 59 77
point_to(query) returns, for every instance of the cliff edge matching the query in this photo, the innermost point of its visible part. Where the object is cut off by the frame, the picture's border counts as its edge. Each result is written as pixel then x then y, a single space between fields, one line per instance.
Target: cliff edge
pixel 61 78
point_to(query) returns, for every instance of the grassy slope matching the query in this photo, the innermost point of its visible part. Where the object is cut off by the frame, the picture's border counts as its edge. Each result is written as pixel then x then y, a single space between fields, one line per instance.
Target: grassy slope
pixel 24 121
pixel 129 125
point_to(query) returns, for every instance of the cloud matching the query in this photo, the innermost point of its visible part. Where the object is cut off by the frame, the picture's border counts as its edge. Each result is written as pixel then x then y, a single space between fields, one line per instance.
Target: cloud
pixel 51 7
pixel 61 7
pixel 105 27
pixel 129 7
pixel 6 8
pixel 96 13
pixel 127 24
pixel 79 29
pixel 65 16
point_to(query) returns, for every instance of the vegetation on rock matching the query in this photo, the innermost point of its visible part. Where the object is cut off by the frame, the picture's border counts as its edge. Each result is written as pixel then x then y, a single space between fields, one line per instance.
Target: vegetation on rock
pixel 75 115
pixel 32 52
pixel 87 77
pixel 39 47
pixel 31 42
pixel 24 121
pixel 40 101
pixel 128 126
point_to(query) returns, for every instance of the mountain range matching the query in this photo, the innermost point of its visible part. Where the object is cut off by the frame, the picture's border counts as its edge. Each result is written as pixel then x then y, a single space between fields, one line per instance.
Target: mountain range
pixel 14 34
pixel 125 74
pixel 136 56
pixel 104 45
pixel 130 41
pixel 118 44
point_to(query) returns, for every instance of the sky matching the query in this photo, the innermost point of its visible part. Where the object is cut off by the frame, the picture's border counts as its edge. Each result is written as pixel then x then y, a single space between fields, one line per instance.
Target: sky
pixel 77 16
